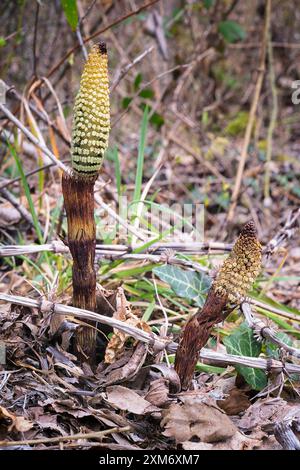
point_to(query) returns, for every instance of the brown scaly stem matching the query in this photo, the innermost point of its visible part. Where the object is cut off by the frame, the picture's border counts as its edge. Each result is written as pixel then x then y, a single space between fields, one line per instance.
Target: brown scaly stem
pixel 79 204
pixel 234 279
pixel 91 124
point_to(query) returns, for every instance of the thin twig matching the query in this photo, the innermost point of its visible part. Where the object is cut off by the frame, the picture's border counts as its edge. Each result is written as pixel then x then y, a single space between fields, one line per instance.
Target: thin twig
pixel 272 122
pixel 128 67
pixel 98 33
pixel 14 202
pixel 36 20
pixel 285 233
pixel 33 139
pixel 263 331
pixel 80 40
pixel 72 437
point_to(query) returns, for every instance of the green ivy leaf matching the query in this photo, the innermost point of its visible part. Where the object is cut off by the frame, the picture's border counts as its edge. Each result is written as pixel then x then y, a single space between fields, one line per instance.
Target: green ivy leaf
pixel 231 31
pixel 242 343
pixel 70 9
pixel 190 285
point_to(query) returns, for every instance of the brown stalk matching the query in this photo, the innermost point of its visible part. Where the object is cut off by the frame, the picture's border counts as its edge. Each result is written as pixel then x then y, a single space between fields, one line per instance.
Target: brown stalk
pixel 79 204
pixel 233 281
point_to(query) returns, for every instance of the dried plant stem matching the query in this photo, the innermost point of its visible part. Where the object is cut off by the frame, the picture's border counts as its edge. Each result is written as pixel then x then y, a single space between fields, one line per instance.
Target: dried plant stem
pixel 157 343
pixel 250 124
pixel 73 437
pixel 233 280
pixel 196 334
pixel 121 251
pixel 79 204
pixel 33 139
pixel 273 118
pixel 265 332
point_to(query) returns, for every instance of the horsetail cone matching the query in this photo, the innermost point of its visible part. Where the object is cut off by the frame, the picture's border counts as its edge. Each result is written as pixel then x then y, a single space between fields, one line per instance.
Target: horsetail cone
pixel 91 121
pixel 231 285
pixel 242 266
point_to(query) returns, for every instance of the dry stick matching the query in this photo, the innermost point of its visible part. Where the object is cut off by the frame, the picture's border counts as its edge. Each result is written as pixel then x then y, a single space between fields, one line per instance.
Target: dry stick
pixel 59 309
pixel 16 95
pixel 122 251
pixel 286 232
pixel 156 342
pixel 272 122
pixel 258 86
pixel 6 183
pixel 14 202
pixel 72 437
pixel 33 139
pixel 119 219
pixel 97 33
pixel 263 331
pixel 128 67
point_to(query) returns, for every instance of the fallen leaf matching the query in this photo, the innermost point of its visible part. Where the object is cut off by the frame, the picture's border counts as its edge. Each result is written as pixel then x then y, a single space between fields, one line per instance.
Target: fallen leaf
pixel 158 392
pixel 196 419
pixel 128 400
pixel 17 423
pixel 235 403
pixel 261 413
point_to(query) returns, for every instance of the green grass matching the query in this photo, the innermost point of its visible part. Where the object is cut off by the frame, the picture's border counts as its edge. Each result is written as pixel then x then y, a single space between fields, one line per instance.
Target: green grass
pixel 27 193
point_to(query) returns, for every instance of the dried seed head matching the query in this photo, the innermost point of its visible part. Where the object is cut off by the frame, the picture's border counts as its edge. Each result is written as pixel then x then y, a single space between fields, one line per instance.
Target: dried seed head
pixel 91 122
pixel 242 266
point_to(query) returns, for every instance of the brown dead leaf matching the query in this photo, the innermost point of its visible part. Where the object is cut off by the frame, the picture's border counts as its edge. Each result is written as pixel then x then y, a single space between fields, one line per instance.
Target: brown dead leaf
pixel 16 423
pixel 49 421
pixel 158 392
pixel 196 419
pixel 262 413
pixel 235 403
pixel 123 313
pixel 128 400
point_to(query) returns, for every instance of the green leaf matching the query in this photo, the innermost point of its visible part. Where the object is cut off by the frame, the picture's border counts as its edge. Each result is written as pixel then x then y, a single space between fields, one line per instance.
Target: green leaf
pixel 2 41
pixel 147 93
pixel 208 3
pixel 137 81
pixel 126 102
pixel 242 343
pixel 27 193
pixel 231 31
pixel 157 120
pixel 70 9
pixel 190 285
